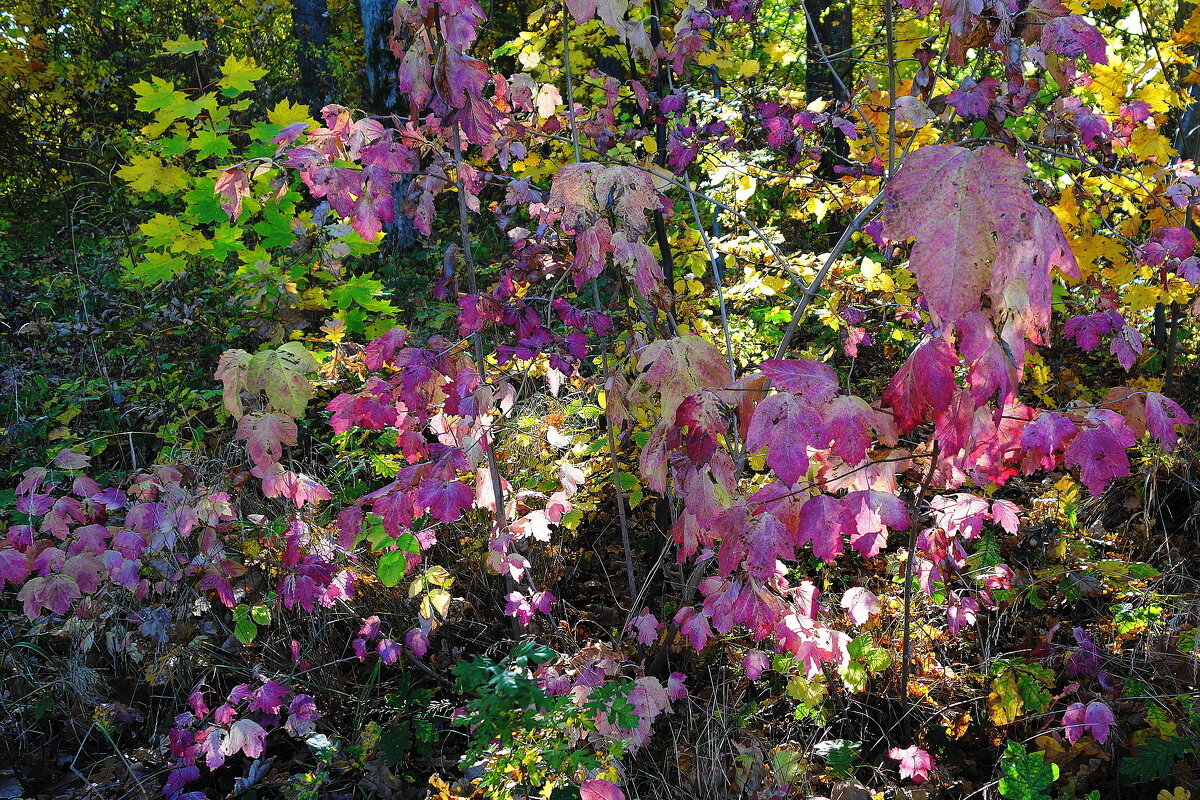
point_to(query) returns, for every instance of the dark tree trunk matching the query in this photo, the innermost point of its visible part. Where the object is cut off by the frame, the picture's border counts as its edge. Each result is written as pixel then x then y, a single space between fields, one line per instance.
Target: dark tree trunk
pixel 379 66
pixel 381 97
pixel 829 35
pixel 310 27
pixel 378 63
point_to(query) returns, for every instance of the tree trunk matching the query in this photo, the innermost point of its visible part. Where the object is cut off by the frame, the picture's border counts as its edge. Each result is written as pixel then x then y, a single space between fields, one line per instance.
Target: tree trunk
pixel 379 66
pixel 310 27
pixel 829 35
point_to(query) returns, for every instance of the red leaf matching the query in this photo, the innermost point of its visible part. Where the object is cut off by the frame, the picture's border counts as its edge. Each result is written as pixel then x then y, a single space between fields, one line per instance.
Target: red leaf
pixel 923 388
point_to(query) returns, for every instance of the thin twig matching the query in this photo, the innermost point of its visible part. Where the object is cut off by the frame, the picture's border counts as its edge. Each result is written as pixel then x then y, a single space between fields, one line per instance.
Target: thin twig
pixel 815 284
pixel 910 564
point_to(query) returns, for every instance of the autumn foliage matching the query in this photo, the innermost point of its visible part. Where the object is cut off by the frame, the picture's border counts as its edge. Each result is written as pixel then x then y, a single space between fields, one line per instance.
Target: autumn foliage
pixel 711 440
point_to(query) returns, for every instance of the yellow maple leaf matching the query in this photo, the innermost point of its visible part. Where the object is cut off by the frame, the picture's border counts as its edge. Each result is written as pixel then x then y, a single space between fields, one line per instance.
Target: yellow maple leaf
pixel 285 113
pixel 145 173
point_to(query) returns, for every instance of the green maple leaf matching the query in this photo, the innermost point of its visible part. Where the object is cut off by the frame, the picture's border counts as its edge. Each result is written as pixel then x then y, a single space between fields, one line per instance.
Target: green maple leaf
pixel 183 45
pixel 210 143
pixel 363 291
pixel 238 75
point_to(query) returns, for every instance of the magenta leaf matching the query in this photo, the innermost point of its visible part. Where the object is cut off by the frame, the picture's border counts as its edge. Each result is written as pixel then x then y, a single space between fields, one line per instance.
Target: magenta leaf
pixel 924 386
pixel 814 381
pixel 1163 416
pixel 821 521
pixel 786 427
pixel 446 500
pixel 600 789
pixel 1099 449
pixel 1098 718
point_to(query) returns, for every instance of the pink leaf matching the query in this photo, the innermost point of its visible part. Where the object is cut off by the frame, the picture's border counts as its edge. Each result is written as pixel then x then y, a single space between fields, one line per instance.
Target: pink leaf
pixel 786 427
pixel 646 627
pixel 1073 722
pixel 755 662
pixel 959 204
pixel 676 688
pixel 693 626
pixel 821 522
pixel 302 716
pixel 924 386
pixel 914 762
pixel 1098 718
pixel 815 382
pixel 860 604
pixel 265 436
pixel 244 735
pixel 1073 36
pixel 600 789
pixel 1127 345
pixel 1163 416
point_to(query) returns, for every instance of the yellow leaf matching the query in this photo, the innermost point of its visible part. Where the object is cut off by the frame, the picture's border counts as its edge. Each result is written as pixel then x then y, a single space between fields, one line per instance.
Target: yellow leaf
pixel 749 68
pixel 146 173
pixel 1180 793
pixel 285 113
pixel 1004 701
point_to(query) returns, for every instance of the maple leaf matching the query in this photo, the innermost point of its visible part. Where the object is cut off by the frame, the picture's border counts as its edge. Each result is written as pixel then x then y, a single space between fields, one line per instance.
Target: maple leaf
pixel 1163 416
pixel 231 372
pixel 265 434
pixel 1127 345
pixel 957 203
pixel 1087 329
pixel 693 625
pixel 786 426
pixel 849 419
pixel 53 592
pixel 924 386
pixel 238 75
pixel 914 762
pixel 382 350
pixel 147 172
pixel 680 367
pixel 766 540
pixel 972 99
pixel 302 716
pixel 600 789
pixel 645 626
pixel 1073 36
pixel 573 194
pixel 628 193
pixel 1098 718
pixel 246 736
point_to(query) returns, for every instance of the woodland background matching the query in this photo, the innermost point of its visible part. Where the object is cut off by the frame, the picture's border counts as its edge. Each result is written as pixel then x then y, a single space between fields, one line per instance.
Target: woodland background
pixel 746 399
